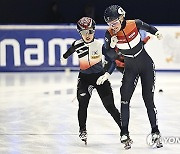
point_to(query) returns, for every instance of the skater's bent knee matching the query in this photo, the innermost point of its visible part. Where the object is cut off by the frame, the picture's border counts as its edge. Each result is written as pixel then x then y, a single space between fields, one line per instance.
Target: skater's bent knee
pixel 83 97
pixel 124 102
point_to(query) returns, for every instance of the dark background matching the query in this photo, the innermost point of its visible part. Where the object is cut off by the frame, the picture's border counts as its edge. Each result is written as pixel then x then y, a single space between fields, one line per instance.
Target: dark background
pixel 69 11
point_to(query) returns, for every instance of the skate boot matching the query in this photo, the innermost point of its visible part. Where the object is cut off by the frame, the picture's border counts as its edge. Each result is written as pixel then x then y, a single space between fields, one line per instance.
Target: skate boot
pixel 126 140
pixel 156 141
pixel 83 135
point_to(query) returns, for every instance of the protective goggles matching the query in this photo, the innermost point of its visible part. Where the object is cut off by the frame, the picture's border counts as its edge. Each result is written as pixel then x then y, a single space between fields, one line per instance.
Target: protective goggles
pixel 88 31
pixel 115 22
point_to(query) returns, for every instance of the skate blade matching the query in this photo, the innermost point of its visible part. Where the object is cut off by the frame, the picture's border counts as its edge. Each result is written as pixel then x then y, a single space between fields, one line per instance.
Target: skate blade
pixel 128 144
pixel 85 141
pixel 159 145
pixel 126 147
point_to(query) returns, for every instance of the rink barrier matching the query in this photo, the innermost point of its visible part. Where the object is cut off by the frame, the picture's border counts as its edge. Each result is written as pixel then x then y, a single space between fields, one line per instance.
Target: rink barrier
pixel 34 48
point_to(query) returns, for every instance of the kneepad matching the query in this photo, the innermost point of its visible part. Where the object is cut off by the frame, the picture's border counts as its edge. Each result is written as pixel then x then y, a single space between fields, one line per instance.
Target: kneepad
pixel 83 97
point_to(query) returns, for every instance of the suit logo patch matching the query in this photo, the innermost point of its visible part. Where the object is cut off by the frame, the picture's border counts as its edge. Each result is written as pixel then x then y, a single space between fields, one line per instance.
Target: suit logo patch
pixel 95 54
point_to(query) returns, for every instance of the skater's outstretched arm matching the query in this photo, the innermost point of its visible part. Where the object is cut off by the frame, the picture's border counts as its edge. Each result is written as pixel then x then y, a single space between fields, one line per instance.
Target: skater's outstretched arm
pixel 148 28
pixel 72 49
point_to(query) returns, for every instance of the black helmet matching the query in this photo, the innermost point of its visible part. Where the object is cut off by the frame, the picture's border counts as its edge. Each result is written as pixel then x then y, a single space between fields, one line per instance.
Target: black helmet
pixel 85 23
pixel 113 12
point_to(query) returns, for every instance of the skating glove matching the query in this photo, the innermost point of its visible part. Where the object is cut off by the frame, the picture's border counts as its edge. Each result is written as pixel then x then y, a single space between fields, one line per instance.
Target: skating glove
pixel 114 41
pixel 158 35
pixel 102 78
pixel 63 61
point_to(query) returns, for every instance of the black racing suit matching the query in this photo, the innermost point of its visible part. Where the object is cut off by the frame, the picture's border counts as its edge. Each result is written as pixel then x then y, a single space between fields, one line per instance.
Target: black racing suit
pixel 137 63
pixel 90 57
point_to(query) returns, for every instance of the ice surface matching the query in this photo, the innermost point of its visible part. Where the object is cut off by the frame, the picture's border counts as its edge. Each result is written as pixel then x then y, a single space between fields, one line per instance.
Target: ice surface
pixel 38 115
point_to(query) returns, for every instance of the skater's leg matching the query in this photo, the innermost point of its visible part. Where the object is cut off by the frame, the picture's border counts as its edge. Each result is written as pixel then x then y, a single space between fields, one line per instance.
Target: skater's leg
pixel 148 85
pixel 83 97
pixel 106 95
pixel 129 83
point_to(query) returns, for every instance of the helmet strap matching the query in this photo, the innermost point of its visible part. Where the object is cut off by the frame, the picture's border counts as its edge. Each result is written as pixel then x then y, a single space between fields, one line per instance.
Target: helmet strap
pixel 123 24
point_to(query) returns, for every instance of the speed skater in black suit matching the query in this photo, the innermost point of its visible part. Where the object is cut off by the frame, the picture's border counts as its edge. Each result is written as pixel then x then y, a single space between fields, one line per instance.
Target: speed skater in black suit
pixel 91 74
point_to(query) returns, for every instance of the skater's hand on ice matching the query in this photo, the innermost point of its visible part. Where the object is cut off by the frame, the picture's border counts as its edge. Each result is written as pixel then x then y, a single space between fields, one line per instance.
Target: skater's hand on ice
pixel 63 61
pixel 102 78
pixel 114 41
pixel 158 35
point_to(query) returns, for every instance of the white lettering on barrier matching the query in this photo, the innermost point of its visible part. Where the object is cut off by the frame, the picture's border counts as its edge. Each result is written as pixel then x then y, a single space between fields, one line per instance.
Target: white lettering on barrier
pixel 39 51
pixel 16 51
pixel 62 43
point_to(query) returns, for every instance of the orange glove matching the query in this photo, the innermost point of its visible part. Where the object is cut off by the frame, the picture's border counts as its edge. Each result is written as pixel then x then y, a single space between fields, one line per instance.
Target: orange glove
pixel 146 39
pixel 119 63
